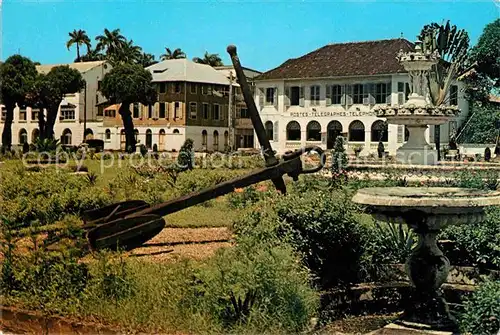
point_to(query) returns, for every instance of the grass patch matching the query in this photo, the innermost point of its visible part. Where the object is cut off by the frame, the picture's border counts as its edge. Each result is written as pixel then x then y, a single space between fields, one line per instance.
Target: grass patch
pixel 217 214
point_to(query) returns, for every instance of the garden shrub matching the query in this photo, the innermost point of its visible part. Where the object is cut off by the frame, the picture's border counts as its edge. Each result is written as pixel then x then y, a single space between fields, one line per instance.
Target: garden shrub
pixel 482 310
pixel 475 244
pixel 271 281
pixel 326 229
pixel 323 226
pixel 46 196
pixel 487 154
pixel 185 159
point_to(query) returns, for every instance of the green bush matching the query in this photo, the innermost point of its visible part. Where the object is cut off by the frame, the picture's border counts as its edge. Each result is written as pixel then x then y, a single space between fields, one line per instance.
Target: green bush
pixel 185 159
pixel 482 310
pixel 275 287
pixel 46 196
pixel 476 244
pixel 323 226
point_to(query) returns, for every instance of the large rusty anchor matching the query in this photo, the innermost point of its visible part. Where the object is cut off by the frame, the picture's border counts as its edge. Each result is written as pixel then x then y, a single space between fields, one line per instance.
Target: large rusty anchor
pixel 129 224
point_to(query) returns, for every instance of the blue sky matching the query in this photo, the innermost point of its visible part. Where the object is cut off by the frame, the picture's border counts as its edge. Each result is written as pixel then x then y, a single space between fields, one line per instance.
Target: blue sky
pixel 266 32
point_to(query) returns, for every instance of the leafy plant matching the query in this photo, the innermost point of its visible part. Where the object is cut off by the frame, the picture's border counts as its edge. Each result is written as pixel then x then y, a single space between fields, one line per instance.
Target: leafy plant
pixel 186 155
pixel 482 310
pixel 47 145
pixel 380 149
pixel 487 154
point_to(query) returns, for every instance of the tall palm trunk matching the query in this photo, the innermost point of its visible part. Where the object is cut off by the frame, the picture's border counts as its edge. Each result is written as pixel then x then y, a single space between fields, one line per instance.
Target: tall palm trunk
pixel 7 128
pixel 78 52
pixel 128 125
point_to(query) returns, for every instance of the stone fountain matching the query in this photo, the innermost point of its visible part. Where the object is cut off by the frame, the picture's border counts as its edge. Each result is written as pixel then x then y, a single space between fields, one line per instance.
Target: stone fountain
pixel 427 210
pixel 417 113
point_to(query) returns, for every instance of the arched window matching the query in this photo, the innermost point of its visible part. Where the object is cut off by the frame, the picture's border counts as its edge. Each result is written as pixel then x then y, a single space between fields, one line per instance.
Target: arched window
pixel 216 140
pixel 149 139
pixel 89 134
pixel 293 131
pixel 176 131
pixel 226 139
pixel 107 134
pixel 269 130
pixel 35 134
pixel 379 131
pixel 136 135
pixel 333 130
pixel 313 131
pixel 357 131
pixel 204 137
pixel 161 140
pixel 66 137
pixel 407 134
pixel 123 139
pixel 23 136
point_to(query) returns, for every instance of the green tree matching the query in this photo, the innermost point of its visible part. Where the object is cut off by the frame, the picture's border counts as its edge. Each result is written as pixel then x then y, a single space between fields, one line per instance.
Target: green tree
pixel 92 55
pixel 480 127
pixel 147 59
pixel 126 84
pixel 176 54
pixel 78 37
pixel 486 54
pixel 186 155
pixel 339 156
pixel 452 45
pixel 110 42
pixel 18 75
pixel 209 59
pixel 127 53
pixel 49 90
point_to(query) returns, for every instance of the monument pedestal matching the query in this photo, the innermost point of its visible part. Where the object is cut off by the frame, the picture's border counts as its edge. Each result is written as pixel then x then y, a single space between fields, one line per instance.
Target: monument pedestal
pixel 416 150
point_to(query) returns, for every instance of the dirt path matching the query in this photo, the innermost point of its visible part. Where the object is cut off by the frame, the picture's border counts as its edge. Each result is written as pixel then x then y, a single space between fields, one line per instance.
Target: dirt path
pixel 173 243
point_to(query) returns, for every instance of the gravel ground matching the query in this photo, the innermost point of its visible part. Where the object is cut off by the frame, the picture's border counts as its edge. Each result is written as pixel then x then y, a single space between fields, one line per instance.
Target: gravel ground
pixel 173 243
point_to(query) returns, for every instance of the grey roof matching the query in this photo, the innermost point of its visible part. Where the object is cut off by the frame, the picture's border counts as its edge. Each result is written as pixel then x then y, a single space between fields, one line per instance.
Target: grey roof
pixel 186 70
pixel 82 67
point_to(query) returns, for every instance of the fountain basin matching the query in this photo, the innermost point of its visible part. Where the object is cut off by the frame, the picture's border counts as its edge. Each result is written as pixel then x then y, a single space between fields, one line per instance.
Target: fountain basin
pixel 441 206
pixel 427 210
pixel 416 116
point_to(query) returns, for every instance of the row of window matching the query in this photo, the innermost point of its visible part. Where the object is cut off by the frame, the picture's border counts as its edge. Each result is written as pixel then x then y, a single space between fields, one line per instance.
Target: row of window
pixel 205 89
pixel 65 114
pixel 379 131
pixel 368 94
pixel 165 111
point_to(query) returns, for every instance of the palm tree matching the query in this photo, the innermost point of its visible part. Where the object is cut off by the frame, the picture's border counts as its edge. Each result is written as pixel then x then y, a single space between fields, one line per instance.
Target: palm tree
pixel 78 37
pixel 92 55
pixel 147 60
pixel 110 42
pixel 176 54
pixel 209 59
pixel 127 53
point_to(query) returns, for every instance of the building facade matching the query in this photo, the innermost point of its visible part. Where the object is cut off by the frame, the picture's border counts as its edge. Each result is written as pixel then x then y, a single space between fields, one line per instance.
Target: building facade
pixel 241 128
pixel 332 91
pixel 193 102
pixel 78 112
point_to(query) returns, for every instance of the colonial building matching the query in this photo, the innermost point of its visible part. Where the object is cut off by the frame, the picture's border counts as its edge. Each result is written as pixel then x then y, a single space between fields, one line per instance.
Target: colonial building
pixel 332 91
pixel 193 102
pixel 78 113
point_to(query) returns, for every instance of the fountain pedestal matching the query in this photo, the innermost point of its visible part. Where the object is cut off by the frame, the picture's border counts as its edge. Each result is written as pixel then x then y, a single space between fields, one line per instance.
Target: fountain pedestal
pixel 426 211
pixel 416 150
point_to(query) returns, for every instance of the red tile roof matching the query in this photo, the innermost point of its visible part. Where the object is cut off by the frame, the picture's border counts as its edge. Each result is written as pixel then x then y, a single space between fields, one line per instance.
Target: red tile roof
pixel 344 59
